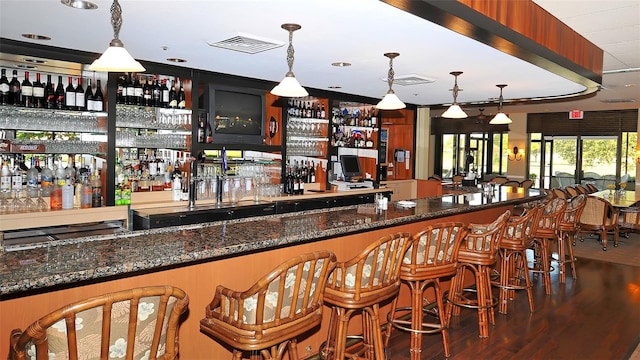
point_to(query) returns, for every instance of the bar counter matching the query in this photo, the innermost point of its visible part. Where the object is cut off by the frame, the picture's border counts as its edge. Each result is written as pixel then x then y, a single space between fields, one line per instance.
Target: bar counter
pixel 199 257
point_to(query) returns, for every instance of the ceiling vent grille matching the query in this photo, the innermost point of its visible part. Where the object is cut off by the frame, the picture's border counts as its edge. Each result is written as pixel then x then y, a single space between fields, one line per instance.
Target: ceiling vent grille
pixel 411 79
pixel 245 43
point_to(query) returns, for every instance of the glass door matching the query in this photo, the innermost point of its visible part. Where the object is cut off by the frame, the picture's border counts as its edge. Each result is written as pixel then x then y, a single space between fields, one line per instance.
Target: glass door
pixel 563 160
pixel 598 165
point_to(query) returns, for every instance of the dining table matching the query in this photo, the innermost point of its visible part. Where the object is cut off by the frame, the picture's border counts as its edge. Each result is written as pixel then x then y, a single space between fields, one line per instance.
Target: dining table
pixel 619 199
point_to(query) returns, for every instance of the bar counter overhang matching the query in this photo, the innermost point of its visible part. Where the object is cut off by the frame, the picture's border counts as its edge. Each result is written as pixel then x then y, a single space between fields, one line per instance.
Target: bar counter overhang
pixel 199 257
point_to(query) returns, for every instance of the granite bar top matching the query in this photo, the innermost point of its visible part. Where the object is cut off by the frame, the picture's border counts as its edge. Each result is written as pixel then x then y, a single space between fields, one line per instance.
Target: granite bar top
pixel 100 257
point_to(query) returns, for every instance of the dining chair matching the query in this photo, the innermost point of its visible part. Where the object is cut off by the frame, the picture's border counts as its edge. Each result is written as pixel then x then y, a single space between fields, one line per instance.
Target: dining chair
pixel 600 217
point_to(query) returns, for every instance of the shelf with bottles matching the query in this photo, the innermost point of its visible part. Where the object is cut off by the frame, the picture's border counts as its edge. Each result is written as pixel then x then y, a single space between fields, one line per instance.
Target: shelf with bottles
pixel 354 125
pixel 157 91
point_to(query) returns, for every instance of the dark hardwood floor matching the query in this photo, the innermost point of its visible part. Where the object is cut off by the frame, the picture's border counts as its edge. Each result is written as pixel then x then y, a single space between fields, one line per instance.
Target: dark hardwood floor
pixel 596 316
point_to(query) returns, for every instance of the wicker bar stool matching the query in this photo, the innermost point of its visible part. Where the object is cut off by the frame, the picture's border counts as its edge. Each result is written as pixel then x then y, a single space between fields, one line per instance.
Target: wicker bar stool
pixel 518 237
pixel 140 322
pixel 267 318
pixel 478 253
pixel 432 257
pixel 568 228
pixel 547 232
pixel 360 285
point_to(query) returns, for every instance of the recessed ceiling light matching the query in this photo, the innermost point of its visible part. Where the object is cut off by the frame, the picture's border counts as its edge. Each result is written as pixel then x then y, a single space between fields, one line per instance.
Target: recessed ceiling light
pixel 341 64
pixel 36 37
pixel 34 61
pixel 80 4
pixel 335 87
pixel 177 60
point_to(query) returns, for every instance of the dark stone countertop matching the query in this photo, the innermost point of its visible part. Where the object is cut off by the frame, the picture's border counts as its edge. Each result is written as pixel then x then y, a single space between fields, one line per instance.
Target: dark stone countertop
pixel 101 257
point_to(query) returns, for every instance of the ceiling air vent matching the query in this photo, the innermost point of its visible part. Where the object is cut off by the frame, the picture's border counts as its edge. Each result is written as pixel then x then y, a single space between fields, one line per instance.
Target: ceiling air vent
pixel 411 79
pixel 246 43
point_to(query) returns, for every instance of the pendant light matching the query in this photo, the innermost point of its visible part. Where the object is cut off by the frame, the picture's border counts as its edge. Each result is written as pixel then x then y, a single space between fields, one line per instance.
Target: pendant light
pixel 455 111
pixel 501 117
pixel 391 100
pixel 116 58
pixel 289 86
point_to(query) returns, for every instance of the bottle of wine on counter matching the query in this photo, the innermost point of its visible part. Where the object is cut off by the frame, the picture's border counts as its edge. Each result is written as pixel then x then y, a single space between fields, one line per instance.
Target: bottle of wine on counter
pixel 138 92
pixel 38 93
pixel 173 98
pixel 14 90
pixel 130 91
pixel 164 91
pixel 201 130
pixel 4 88
pixel 156 94
pixel 147 88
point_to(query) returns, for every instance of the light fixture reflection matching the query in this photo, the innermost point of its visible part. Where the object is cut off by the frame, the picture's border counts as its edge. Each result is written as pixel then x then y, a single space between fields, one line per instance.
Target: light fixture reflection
pixel 289 86
pixel 391 101
pixel 455 111
pixel 116 58
pixel 501 117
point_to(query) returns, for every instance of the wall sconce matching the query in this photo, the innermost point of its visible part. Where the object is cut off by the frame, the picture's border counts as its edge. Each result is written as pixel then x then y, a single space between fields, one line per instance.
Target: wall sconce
pixel 515 154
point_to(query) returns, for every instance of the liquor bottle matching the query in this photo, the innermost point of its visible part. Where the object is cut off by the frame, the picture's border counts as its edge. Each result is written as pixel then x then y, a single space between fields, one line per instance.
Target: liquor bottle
pixel 173 99
pixel 146 93
pixel 38 93
pixel 374 118
pixel 182 97
pixel 323 114
pixel 4 88
pixel 46 178
pixel 164 91
pixel 67 194
pixel 80 101
pixel 89 103
pixel 32 175
pixel 49 94
pixel 70 95
pixel 130 91
pixel 5 177
pixel 14 90
pixel 96 191
pixel 87 193
pixel 98 99
pixel 138 92
pixel 209 133
pixel 60 98
pixel 16 177
pixel 201 130
pixel 55 197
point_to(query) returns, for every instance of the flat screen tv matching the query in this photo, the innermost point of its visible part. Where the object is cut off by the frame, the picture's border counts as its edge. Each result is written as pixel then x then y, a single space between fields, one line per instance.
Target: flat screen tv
pixel 350 167
pixel 237 115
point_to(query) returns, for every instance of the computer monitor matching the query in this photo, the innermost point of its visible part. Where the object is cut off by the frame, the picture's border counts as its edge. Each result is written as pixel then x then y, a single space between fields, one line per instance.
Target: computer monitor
pixel 350 166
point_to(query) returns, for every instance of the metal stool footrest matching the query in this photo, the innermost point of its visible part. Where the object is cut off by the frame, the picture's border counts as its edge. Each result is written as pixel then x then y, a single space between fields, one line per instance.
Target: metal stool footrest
pixel 402 324
pixel 472 303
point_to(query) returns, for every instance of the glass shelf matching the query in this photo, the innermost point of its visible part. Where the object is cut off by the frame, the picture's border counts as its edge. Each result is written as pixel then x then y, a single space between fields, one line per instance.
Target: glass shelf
pixel 140 117
pixel 18 118
pixel 158 140
pixel 59 146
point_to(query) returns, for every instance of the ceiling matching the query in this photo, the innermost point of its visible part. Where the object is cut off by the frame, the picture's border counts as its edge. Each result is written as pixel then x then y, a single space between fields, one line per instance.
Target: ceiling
pixel 354 31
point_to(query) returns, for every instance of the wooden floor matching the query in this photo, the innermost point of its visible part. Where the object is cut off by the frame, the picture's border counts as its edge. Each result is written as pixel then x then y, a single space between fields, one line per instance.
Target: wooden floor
pixel 596 316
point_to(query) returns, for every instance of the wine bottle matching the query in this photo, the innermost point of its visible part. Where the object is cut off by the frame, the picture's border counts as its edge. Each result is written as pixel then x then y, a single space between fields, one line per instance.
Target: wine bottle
pixel 156 94
pixel 4 88
pixel 14 90
pixel 164 90
pixel 201 130
pixel 138 93
pixel 49 94
pixel 312 173
pixel 146 93
pixel 70 95
pixel 173 99
pixel 182 98
pixel 89 103
pixel 209 132
pixel 130 91
pixel 80 101
pixel 121 91
pixel 60 98
pixel 98 99
pixel 26 91
pixel 38 93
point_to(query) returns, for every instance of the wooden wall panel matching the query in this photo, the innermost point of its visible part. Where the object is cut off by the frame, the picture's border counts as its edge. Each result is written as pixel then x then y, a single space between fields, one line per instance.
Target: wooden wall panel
pixel 401 125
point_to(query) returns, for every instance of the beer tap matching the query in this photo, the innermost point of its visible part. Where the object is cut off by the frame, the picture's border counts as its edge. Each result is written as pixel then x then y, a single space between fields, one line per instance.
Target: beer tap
pixel 193 180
